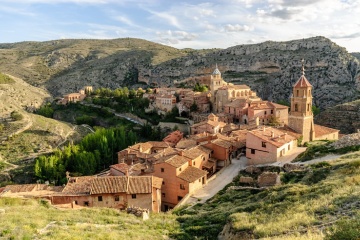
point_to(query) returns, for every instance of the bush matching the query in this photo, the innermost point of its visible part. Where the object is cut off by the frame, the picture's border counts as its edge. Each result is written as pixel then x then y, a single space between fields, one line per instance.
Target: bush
pixel 46 111
pixel 345 229
pixel 2 126
pixel 16 116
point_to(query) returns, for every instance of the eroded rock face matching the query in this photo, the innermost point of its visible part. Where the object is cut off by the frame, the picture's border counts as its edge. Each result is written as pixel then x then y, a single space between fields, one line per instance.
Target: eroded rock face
pixel 345 117
pixel 269 68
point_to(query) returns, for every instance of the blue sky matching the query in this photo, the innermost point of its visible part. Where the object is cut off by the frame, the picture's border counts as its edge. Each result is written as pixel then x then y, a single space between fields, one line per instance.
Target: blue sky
pixel 181 24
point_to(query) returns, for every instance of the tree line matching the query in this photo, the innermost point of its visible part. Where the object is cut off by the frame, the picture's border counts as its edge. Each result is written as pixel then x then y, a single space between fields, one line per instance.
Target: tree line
pixel 95 152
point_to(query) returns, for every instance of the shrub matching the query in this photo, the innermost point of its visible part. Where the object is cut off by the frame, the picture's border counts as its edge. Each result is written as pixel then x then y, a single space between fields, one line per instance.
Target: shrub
pixel 16 116
pixel 345 229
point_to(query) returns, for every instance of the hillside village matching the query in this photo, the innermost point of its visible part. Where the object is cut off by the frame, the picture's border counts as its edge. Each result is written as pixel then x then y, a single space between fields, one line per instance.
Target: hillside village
pixel 229 121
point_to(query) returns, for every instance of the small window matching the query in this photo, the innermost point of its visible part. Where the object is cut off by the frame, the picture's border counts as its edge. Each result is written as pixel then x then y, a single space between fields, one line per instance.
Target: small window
pixel 296 107
pixel 289 147
pixel 265 113
pixel 117 198
pixel 297 93
pixel 76 202
pixel 179 169
pixel 182 186
pixel 133 196
pixel 86 203
pixel 194 163
pixel 163 183
pixel 271 111
pixel 252 151
pixel 179 198
pixel 163 195
pixel 100 198
pixel 162 170
pixel 263 144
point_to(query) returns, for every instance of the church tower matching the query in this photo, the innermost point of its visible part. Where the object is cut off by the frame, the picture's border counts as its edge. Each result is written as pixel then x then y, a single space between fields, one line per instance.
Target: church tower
pixel 301 116
pixel 215 83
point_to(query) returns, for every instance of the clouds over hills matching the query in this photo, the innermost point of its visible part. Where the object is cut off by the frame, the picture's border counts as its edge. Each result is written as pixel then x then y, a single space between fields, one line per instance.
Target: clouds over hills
pixel 195 24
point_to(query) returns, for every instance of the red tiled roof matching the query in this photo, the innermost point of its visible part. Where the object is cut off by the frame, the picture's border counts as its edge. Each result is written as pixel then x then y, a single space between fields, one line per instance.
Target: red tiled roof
pixel 112 184
pixel 78 185
pixel 121 167
pixel 22 188
pixel 302 82
pixel 177 160
pixel 185 143
pixel 222 143
pixel 191 174
pixel 321 130
pixel 279 138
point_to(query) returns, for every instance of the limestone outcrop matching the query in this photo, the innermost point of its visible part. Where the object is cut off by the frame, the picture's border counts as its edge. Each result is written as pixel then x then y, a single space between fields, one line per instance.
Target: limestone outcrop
pixel 269 68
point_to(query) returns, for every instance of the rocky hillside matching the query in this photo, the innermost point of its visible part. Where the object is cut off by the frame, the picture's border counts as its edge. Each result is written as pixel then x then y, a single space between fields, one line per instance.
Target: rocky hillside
pixel 270 68
pixel 345 117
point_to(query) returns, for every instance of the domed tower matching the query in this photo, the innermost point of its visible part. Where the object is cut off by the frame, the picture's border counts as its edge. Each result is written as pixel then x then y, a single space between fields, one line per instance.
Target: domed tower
pixel 301 116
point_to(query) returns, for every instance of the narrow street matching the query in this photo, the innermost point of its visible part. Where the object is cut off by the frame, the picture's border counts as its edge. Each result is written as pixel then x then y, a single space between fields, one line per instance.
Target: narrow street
pixel 221 180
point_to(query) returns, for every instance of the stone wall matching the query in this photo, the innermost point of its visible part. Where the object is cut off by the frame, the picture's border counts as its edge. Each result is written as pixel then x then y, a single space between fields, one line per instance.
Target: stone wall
pixel 267 179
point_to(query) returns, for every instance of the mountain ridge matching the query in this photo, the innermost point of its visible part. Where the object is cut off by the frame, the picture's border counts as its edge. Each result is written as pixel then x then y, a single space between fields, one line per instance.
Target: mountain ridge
pixel 269 68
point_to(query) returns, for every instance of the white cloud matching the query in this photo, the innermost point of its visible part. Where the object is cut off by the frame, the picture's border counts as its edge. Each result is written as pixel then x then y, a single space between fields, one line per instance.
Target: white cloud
pixel 237 28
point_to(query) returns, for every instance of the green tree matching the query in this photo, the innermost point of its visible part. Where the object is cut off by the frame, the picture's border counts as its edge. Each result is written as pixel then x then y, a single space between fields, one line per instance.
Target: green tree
pixel 315 110
pixel 46 111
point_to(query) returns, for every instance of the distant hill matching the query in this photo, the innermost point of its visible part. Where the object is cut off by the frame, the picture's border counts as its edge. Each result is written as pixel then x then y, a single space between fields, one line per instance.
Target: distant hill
pixel 357 55
pixel 270 68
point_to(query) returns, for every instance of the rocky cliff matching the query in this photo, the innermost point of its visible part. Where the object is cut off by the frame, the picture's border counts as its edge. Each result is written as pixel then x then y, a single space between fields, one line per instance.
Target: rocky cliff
pixel 345 117
pixel 270 68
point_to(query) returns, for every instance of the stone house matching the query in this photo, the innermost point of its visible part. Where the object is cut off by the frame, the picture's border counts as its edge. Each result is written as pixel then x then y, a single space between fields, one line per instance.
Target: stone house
pixel 267 145
pixel 268 111
pixel 212 125
pixel 112 191
pixel 165 102
pixel 180 177
pixel 76 97
pixel 141 152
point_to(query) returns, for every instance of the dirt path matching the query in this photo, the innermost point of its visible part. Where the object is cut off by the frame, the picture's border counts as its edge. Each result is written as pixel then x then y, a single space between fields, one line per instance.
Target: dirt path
pixel 221 180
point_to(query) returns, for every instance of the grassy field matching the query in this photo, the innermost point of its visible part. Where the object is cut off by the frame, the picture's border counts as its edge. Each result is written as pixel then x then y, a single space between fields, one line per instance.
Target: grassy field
pixel 43 136
pixel 31 219
pixel 305 206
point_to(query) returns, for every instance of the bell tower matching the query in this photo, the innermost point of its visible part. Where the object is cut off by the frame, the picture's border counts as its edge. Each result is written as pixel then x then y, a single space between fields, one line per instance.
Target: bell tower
pixel 215 83
pixel 301 116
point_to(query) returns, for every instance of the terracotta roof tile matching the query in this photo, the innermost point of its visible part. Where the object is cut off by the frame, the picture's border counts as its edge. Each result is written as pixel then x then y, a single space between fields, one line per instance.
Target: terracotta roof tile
pixel 78 185
pixel 185 143
pixel 321 130
pixel 222 143
pixel 302 82
pixel 273 136
pixel 121 167
pixel 193 153
pixel 177 160
pixel 191 174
